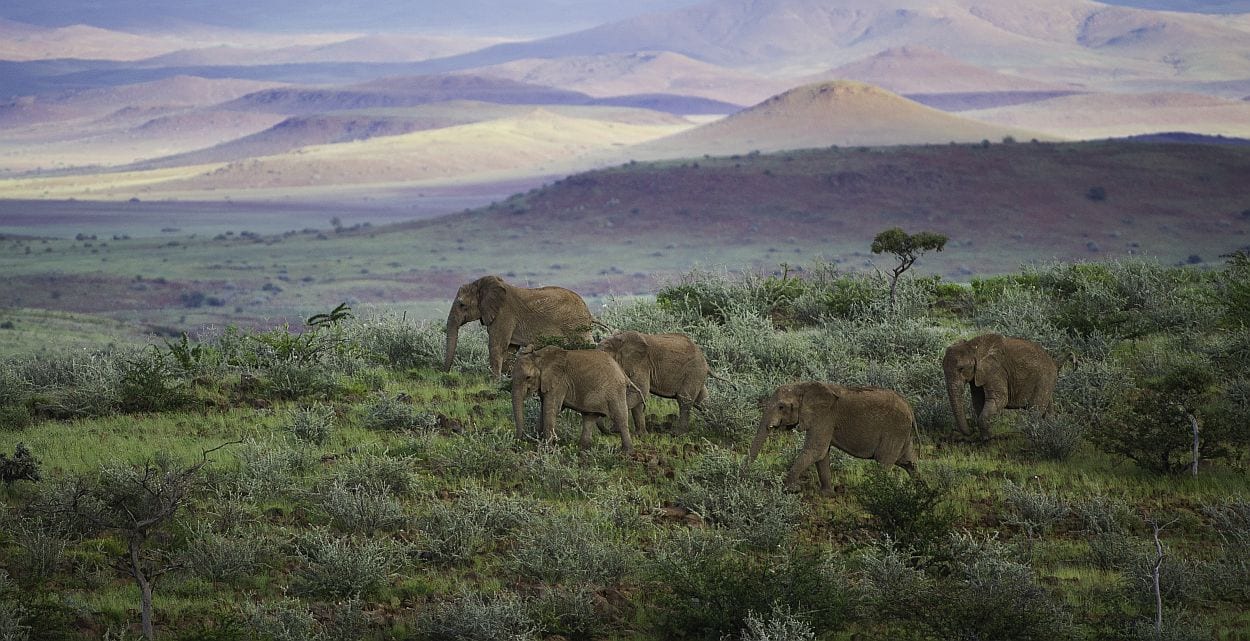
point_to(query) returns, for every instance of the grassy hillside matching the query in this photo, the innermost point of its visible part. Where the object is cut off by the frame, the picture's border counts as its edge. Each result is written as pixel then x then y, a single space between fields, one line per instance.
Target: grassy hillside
pixel 365 495
pixel 623 230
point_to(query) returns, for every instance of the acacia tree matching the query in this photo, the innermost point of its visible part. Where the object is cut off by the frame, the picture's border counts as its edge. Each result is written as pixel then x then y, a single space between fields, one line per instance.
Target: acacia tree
pixel 907 248
pixel 138 503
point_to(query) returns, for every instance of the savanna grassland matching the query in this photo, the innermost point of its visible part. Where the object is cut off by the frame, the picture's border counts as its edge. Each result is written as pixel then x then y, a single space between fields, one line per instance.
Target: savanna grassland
pixel 629 229
pixel 332 484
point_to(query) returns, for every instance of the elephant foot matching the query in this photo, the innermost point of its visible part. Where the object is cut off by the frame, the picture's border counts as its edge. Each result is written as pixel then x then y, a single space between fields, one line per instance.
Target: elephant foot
pixel 828 492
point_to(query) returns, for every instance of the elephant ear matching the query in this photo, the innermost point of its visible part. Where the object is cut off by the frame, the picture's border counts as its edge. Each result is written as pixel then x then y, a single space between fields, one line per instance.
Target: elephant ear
pixel 633 350
pixel 491 294
pixel 989 367
pixel 552 365
pixel 816 404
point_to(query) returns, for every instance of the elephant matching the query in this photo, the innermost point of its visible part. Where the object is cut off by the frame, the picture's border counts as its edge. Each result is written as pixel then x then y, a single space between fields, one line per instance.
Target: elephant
pixel 515 316
pixel 585 380
pixel 1002 372
pixel 865 422
pixel 666 365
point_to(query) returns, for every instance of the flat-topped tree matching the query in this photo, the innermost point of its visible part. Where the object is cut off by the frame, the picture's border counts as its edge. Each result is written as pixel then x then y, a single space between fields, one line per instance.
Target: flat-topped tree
pixel 907 248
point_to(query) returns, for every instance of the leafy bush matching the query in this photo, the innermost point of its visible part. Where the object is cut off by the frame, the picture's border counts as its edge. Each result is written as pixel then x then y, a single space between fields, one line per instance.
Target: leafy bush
pixel 387 412
pixel 271 468
pixel 907 510
pixel 640 316
pixel 336 566
pixel 1101 514
pixel 1035 511
pixel 311 424
pixel 732 409
pixel 288 619
pixel 221 556
pixel 779 625
pixel 1055 436
pixel 474 617
pixel 397 343
pixel 716 296
pixel 42 549
pixel 570 613
pixel 22 467
pixel 149 384
pixel 388 473
pixel 361 508
pixel 13 618
pixel 452 533
pixel 751 504
pixel 701 586
pixel 567 549
pixel 291 379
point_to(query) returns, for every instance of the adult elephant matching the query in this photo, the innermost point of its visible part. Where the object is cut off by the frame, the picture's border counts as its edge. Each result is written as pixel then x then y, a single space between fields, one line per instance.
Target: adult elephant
pixel 515 316
pixel 865 422
pixel 584 380
pixel 1002 373
pixel 666 365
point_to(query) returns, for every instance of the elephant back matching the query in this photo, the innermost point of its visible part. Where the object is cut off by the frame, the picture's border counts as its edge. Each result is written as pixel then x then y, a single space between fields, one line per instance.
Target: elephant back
pixel 551 311
pixel 871 421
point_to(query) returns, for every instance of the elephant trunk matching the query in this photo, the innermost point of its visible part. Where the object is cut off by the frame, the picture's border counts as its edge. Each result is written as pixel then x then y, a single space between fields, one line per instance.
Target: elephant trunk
pixel 518 405
pixel 955 389
pixel 758 443
pixel 453 333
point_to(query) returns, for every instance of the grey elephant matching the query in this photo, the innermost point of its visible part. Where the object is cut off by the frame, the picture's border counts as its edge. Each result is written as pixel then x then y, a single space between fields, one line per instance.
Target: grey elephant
pixel 865 422
pixel 1002 372
pixel 666 365
pixel 515 316
pixel 584 380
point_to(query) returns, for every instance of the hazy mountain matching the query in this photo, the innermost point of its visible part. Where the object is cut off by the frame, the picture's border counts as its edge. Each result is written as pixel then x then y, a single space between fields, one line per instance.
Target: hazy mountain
pixel 1115 115
pixel 819 115
pixel 493 17
pixel 918 69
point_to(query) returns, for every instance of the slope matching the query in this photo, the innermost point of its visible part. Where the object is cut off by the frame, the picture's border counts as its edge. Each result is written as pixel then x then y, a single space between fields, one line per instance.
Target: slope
pixel 1113 115
pixel 819 115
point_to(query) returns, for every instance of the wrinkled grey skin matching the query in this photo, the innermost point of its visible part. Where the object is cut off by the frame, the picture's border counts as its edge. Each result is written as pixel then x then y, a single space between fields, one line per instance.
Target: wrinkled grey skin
pixel 666 365
pixel 515 316
pixel 865 422
pixel 586 381
pixel 1002 373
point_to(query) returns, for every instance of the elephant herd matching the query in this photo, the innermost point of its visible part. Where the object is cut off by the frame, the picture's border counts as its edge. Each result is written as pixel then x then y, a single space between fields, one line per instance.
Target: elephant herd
pixel 615 380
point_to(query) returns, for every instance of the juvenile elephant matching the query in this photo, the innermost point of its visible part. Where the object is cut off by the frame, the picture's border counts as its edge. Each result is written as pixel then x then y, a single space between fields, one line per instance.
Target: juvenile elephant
pixel 865 422
pixel 587 381
pixel 667 365
pixel 515 316
pixel 1002 372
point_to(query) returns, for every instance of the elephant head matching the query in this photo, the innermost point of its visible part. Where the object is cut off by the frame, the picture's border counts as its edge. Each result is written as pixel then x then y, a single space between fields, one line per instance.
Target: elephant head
pixel 479 300
pixel 797 404
pixel 627 348
pixel 975 362
pixel 526 380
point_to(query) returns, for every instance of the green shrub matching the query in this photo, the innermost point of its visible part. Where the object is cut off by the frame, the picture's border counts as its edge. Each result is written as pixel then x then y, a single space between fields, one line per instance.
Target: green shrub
pixel 639 315
pixel 567 549
pixel 397 343
pixel 1055 436
pixel 388 473
pixel 475 617
pixel 1034 511
pixel 13 618
pixel 272 468
pixel 907 510
pixel 750 504
pixel 701 586
pixel 288 619
pixel 452 533
pixel 221 556
pixel 311 424
pixel 22 467
pixel 149 384
pixel 568 612
pixel 334 566
pixel 361 508
pixel 42 550
pixel 781 624
pixel 291 379
pixel 387 412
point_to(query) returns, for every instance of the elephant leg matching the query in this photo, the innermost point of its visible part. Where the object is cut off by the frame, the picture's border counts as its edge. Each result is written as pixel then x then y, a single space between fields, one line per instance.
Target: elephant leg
pixel 602 423
pixel 909 467
pixel 978 405
pixel 683 415
pixel 498 338
pixel 826 475
pixel 994 403
pixel 588 430
pixel 551 410
pixel 620 416
pixel 639 412
pixel 803 461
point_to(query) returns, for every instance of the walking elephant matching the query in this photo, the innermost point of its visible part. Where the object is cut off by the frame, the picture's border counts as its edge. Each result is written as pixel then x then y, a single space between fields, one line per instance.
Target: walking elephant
pixel 666 365
pixel 865 422
pixel 515 316
pixel 585 380
pixel 1002 372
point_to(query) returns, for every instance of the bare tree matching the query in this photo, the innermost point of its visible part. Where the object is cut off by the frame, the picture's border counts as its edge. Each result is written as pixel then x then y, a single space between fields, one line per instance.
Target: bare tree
pixel 137 502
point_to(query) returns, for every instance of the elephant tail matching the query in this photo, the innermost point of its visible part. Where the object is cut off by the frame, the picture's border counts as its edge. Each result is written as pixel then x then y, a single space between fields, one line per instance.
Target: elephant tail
pixel 1069 358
